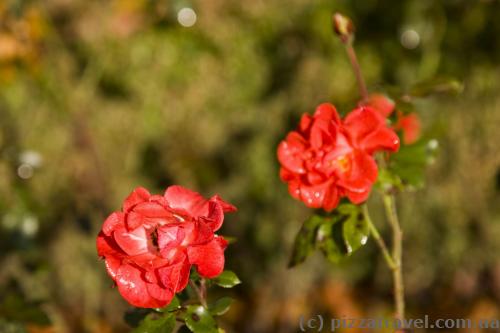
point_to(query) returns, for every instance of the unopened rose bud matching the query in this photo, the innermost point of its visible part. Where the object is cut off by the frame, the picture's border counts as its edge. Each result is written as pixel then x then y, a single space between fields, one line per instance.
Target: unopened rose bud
pixel 343 27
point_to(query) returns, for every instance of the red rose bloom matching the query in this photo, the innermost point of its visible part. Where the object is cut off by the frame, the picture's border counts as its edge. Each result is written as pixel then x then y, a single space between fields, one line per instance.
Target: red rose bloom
pixel 327 158
pixel 150 246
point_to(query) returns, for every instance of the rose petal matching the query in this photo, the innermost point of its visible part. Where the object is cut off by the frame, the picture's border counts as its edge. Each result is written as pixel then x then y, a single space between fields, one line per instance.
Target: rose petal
pixel 411 127
pixel 134 242
pixel 327 112
pixel 290 153
pixel 181 198
pixel 112 266
pixel 361 178
pixel 315 178
pixel 383 104
pixel 332 199
pixel 362 121
pixel 151 209
pixel 294 189
pixel 147 260
pixel 170 236
pixel 226 207
pixel 313 196
pixel 215 216
pixel 208 258
pixel 133 288
pixel 106 246
pixel 134 220
pixel 359 197
pixel 305 123
pixel 139 195
pixel 342 148
pixel 112 222
pixel 173 276
pixel 163 295
pixel 383 138
pixel 203 232
pixel 364 167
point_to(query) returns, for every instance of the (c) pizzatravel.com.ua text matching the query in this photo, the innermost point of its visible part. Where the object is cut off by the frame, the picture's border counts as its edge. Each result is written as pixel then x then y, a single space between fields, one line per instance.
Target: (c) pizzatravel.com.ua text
pixel 318 323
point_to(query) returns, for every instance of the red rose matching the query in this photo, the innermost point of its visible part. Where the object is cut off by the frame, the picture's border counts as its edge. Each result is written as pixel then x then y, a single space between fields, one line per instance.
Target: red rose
pixel 381 103
pixel 150 246
pixel 327 158
pixel 408 124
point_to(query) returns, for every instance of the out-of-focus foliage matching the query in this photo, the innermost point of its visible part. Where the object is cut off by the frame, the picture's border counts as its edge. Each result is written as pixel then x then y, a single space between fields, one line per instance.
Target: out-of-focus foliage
pixel 97 97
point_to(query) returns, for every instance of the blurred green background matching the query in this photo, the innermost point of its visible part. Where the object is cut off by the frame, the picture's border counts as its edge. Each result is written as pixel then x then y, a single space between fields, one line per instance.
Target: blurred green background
pixel 98 97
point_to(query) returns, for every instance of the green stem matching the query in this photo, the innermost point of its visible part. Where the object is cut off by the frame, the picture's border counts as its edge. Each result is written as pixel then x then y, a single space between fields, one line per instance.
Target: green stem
pixel 394 261
pixel 357 70
pixel 200 292
pixel 380 241
pixel 397 254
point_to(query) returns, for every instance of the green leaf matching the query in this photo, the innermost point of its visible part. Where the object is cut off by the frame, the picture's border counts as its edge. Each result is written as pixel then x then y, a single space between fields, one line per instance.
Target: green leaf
pixel 388 180
pixel 227 279
pixel 199 320
pixel 436 86
pixel 356 231
pixel 329 240
pixel 150 324
pixel 336 236
pixel 305 241
pixel 220 306
pixel 410 162
pixel 133 317
pixel 173 306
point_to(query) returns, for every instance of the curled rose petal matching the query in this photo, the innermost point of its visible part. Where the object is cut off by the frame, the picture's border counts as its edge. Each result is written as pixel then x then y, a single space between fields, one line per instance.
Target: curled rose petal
pixel 113 221
pixel 139 195
pixel 208 258
pixel 382 138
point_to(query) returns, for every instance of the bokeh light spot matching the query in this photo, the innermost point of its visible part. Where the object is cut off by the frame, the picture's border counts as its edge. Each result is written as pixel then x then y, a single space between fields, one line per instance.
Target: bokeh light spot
pixel 186 17
pixel 410 39
pixel 25 171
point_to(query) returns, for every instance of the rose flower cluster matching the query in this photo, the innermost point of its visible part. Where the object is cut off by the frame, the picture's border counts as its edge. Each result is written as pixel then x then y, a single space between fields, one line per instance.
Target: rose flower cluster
pixel 150 246
pixel 328 158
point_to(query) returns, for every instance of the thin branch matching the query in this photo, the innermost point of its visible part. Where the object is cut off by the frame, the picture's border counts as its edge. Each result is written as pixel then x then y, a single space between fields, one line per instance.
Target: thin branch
pixel 199 292
pixel 357 70
pixel 397 254
pixel 380 241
